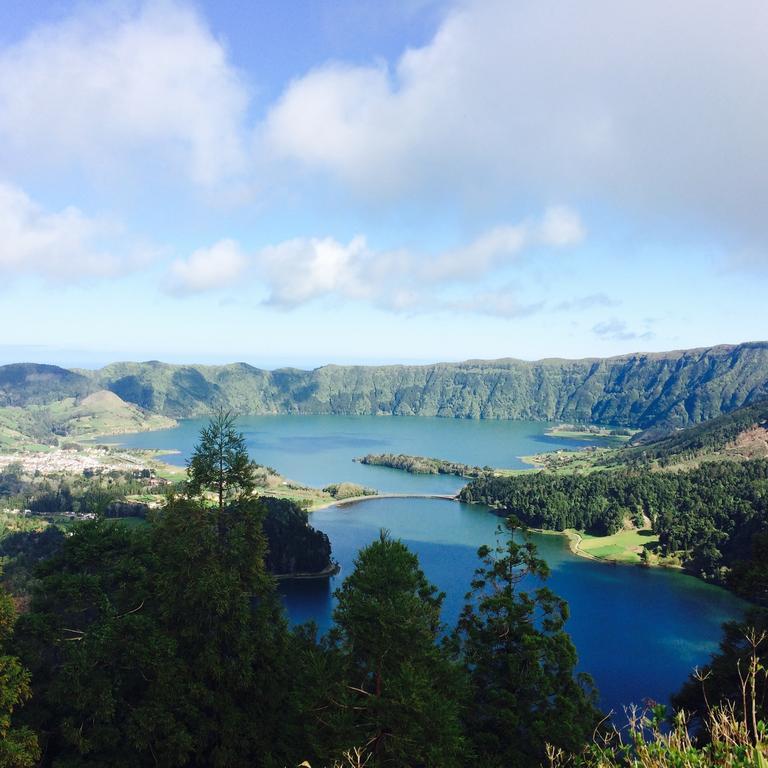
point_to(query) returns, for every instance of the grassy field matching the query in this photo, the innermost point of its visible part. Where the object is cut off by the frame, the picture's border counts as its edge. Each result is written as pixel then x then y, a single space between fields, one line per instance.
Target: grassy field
pixel 564 462
pixel 37 427
pixel 623 547
pixel 591 433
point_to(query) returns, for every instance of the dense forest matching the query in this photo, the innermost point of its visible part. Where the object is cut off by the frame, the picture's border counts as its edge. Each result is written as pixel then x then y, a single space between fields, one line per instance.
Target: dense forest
pixel 712 516
pixel 166 644
pixel 640 390
pixel 294 546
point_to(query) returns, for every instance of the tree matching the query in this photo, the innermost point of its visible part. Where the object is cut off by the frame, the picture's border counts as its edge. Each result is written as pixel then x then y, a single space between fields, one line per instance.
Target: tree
pixel 18 746
pixel 162 645
pixel 106 676
pixel 520 662
pixel 220 461
pixel 399 694
pixel 166 644
pixel 220 608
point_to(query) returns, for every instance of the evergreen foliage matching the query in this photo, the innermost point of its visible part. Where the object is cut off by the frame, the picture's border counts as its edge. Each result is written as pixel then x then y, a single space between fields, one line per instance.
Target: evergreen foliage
pixel 711 516
pixel 220 461
pixel 399 695
pixel 294 546
pixel 520 662
pixel 422 465
pixel 167 644
pixel 18 745
pixel 711 436
pixel 150 645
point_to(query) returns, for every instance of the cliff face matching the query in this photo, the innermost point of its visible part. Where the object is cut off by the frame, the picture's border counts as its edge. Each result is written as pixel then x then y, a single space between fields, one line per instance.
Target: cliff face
pixel 636 390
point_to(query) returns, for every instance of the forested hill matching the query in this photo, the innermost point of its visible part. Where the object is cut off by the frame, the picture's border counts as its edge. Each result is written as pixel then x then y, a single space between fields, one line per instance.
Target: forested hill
pixel 741 434
pixel 633 390
pixel 638 390
pixel 24 384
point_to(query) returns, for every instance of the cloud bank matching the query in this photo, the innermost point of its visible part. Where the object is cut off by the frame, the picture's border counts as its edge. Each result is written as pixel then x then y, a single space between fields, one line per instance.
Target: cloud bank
pixel 655 107
pixel 302 270
pixel 618 330
pixel 125 81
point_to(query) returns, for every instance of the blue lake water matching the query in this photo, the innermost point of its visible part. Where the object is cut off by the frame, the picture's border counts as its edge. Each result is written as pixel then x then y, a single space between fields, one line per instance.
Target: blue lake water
pixel 318 450
pixel 639 632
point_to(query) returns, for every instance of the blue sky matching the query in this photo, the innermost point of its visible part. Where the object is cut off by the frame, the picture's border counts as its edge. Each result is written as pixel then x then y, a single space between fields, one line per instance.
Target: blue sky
pixel 312 181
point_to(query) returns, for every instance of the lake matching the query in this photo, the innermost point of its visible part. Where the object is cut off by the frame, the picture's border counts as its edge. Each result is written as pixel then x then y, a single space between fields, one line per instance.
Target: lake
pixel 319 450
pixel 639 632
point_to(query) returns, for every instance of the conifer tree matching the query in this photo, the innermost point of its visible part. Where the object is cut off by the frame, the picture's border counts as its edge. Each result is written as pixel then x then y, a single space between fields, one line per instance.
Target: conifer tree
pixel 164 645
pixel 400 694
pixel 520 660
pixel 220 461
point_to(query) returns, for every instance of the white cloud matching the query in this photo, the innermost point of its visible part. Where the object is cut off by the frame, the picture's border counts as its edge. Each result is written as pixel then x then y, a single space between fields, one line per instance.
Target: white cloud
pixel 207 269
pixel 141 84
pixel 561 226
pixel 64 245
pixel 653 106
pixel 480 256
pixel 302 270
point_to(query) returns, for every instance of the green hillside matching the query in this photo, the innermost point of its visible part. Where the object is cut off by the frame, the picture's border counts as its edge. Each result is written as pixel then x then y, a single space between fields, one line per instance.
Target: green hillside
pixel 740 434
pixel 23 384
pixel 99 413
pixel 639 390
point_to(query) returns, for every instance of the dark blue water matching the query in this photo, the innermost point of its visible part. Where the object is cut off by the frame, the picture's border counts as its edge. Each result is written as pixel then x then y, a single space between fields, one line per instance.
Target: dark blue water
pixel 319 450
pixel 639 632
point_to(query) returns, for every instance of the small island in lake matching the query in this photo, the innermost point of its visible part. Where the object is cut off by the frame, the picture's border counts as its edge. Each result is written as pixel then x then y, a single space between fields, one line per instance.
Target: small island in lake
pixel 423 465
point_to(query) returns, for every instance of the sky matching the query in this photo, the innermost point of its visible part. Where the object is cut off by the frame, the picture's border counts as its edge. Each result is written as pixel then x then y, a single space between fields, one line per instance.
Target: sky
pixel 301 182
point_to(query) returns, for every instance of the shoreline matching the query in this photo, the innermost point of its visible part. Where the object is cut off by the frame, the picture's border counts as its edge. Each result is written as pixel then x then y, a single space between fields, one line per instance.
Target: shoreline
pixel 331 570
pixel 555 430
pixel 574 545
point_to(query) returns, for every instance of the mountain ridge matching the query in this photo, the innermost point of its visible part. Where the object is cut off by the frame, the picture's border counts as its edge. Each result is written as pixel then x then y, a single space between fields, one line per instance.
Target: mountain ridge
pixel 673 388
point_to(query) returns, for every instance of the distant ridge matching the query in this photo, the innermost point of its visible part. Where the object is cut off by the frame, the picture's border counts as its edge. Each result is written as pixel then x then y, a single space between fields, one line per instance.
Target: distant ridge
pixel 23 384
pixel 641 390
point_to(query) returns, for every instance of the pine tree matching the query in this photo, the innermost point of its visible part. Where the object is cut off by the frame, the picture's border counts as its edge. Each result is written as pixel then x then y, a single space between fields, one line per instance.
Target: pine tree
pixel 400 695
pixel 165 645
pixel 520 661
pixel 220 461
pixel 219 606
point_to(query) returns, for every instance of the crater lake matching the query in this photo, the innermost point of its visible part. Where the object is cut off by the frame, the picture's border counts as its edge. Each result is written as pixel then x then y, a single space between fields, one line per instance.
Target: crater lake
pixel 639 632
